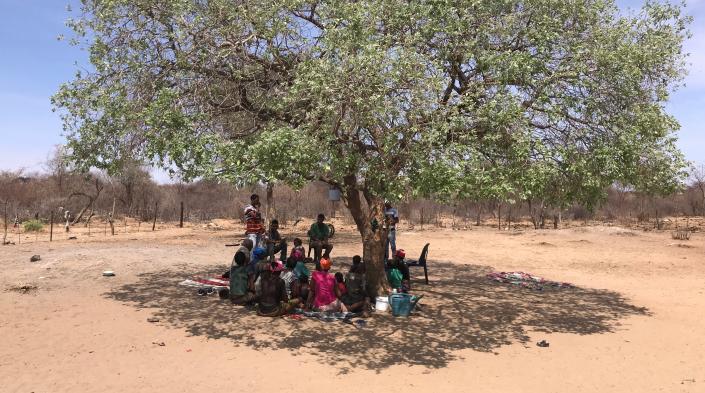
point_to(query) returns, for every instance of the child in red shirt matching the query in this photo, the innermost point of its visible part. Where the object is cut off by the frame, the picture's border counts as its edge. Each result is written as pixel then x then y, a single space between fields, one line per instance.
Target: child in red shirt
pixel 340 283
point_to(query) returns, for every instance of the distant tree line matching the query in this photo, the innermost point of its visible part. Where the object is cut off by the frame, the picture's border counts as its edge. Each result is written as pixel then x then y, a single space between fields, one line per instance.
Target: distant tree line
pixel 134 194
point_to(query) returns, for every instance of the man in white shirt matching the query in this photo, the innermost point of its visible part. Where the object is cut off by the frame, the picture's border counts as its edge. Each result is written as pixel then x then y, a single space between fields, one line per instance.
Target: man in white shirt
pixel 391 216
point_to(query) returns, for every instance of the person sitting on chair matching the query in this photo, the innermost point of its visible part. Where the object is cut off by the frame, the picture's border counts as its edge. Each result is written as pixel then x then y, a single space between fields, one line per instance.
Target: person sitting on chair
pixel 275 243
pixel 319 234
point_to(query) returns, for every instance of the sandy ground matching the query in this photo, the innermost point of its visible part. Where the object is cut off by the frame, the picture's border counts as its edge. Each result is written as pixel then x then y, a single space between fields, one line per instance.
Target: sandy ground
pixel 634 323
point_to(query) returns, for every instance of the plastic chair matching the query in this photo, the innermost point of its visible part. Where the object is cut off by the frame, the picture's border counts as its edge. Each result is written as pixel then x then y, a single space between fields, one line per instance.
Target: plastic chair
pixel 421 262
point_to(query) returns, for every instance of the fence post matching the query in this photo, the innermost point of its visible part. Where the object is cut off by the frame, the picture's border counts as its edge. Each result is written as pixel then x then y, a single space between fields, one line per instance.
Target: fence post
pixel 154 223
pixel 51 226
pixel 509 218
pixel 4 238
pixel 422 218
pixel 181 216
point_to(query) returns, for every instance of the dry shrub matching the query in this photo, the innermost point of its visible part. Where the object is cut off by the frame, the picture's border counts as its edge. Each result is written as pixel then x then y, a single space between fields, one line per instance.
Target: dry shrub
pixel 30 195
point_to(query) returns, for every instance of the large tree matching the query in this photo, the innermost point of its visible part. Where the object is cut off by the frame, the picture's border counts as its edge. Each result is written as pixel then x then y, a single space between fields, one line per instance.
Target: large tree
pixel 383 99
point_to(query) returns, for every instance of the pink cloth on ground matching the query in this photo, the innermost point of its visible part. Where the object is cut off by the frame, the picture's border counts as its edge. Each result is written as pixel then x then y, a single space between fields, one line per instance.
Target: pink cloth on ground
pixel 325 292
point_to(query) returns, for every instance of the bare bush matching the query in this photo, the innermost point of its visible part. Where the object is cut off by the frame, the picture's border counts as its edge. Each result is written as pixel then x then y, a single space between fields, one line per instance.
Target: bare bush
pixel 134 194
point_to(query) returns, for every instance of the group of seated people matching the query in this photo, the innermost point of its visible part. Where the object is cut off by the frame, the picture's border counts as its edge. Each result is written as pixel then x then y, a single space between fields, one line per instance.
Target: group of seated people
pixel 276 288
pixel 319 240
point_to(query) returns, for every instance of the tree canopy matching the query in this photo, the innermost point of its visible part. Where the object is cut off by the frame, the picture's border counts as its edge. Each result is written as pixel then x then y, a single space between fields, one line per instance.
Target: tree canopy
pixel 384 98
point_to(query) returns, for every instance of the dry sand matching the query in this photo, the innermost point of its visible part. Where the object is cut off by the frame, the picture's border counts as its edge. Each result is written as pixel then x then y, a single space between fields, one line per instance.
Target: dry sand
pixel 634 324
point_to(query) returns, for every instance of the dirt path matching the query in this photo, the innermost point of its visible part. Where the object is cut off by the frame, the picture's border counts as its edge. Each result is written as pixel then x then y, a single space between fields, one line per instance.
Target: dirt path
pixel 634 324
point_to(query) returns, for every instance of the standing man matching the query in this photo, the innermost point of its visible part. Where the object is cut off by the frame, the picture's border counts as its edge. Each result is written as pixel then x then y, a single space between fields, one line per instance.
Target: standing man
pixel 254 229
pixel 319 235
pixel 391 216
pixel 275 243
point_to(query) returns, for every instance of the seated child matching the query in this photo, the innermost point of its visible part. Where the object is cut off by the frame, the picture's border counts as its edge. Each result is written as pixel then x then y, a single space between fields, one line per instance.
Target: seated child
pixel 298 252
pixel 358 265
pixel 301 269
pixel 342 289
pixel 300 289
pixel 394 275
pixel 289 276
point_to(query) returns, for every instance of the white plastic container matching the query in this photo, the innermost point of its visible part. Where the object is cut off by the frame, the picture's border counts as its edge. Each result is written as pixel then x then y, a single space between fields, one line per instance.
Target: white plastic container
pixel 382 304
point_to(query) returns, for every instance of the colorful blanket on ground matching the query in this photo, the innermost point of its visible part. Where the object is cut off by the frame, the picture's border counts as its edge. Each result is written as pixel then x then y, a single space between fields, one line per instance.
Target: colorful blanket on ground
pixel 199 282
pixel 327 316
pixel 526 280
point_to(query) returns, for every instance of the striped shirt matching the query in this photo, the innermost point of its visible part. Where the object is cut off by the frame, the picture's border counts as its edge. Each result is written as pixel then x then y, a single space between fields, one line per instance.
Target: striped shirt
pixel 253 220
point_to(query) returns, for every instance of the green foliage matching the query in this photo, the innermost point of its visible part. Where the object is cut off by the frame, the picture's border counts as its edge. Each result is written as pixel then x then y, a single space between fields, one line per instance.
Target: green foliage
pixel 535 99
pixel 33 226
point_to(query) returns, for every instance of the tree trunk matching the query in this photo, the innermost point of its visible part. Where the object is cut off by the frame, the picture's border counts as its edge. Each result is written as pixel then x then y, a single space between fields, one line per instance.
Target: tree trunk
pixel 154 223
pixel 112 225
pixel 88 219
pixel 271 209
pixel 557 220
pixel 542 218
pixel 373 255
pixel 373 239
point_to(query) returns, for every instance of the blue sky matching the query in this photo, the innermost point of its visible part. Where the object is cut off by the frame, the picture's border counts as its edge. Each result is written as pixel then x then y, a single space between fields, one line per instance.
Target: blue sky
pixel 33 64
